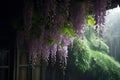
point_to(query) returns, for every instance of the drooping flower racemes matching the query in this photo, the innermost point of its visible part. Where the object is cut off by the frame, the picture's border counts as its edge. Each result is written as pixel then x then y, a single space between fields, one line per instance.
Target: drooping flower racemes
pixel 44 21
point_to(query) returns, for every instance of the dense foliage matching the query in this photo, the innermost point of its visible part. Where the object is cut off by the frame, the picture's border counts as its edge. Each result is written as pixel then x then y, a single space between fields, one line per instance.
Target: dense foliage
pixel 49 26
pixel 92 60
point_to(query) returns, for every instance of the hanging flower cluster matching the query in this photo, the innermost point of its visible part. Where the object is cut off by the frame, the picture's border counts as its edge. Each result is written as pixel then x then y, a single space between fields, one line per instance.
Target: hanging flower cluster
pixel 99 11
pixel 46 33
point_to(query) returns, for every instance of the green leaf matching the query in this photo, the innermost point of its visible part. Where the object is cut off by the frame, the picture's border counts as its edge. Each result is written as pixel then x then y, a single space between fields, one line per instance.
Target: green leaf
pixel 50 41
pixel 90 20
pixel 68 30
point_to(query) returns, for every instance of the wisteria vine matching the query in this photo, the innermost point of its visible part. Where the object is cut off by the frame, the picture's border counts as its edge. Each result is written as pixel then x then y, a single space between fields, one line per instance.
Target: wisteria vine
pixel 52 16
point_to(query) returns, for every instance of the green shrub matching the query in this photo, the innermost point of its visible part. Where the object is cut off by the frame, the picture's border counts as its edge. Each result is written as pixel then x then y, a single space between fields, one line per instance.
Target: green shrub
pixel 92 60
